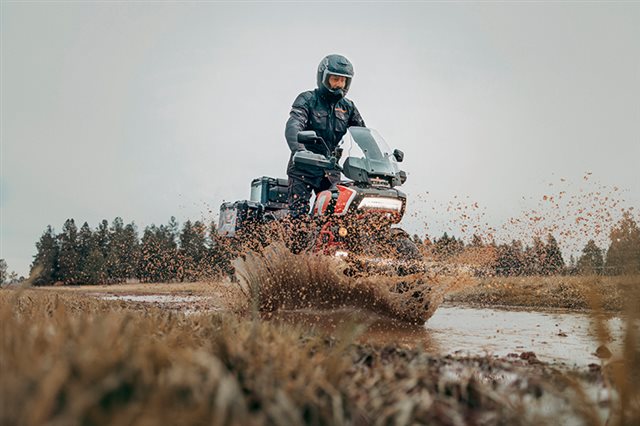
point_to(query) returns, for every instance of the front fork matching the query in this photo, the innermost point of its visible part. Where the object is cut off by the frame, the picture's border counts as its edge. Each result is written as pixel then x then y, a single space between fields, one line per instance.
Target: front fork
pixel 327 242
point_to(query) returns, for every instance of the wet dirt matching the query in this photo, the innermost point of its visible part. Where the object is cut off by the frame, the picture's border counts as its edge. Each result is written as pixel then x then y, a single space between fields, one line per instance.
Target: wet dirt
pixel 563 338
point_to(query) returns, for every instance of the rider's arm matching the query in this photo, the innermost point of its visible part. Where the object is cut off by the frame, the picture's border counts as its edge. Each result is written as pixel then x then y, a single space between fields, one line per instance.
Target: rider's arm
pixel 298 119
pixel 356 118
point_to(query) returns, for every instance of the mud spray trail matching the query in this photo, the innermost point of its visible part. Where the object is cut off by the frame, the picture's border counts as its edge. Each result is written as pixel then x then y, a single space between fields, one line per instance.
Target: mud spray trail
pixel 312 290
pixel 278 280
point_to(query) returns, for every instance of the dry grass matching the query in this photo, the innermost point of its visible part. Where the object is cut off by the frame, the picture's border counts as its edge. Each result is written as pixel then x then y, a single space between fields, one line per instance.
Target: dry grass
pixel 69 359
pixel 622 373
pixel 570 292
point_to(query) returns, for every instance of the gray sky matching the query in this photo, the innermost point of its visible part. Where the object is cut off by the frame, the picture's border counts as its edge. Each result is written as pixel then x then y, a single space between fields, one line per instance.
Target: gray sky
pixel 146 110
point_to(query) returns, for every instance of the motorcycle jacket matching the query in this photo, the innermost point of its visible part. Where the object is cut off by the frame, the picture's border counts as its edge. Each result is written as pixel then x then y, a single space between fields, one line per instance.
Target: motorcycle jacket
pixel 329 118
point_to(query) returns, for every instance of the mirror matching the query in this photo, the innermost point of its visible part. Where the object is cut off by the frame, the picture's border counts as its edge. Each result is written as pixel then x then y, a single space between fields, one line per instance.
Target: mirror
pixel 397 154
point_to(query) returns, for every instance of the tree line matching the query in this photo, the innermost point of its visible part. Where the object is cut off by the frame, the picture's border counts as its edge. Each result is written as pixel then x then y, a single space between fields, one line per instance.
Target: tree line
pixel 544 257
pixel 114 253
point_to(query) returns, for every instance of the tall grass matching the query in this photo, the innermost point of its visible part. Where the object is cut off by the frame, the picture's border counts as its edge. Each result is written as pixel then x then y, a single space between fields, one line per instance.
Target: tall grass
pixel 70 360
pixel 622 371
pixel 571 292
pixel 67 359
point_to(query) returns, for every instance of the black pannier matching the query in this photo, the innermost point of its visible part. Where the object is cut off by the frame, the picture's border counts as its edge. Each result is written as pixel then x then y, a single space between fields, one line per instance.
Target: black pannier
pixel 235 216
pixel 271 192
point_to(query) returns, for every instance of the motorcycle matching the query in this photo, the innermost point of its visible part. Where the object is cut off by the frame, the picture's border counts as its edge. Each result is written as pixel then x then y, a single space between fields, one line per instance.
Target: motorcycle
pixel 354 219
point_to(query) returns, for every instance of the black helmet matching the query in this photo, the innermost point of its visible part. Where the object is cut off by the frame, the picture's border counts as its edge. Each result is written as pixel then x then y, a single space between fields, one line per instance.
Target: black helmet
pixel 334 65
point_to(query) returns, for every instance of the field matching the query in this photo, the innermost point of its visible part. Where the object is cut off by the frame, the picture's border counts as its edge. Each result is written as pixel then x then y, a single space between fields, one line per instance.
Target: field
pixel 569 292
pixel 212 353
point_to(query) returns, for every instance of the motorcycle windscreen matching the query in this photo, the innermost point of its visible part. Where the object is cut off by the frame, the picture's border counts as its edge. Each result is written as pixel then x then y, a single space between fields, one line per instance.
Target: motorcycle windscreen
pixel 367 151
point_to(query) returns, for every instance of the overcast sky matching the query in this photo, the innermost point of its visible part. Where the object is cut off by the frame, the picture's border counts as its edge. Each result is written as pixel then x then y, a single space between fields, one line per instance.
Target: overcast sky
pixel 146 110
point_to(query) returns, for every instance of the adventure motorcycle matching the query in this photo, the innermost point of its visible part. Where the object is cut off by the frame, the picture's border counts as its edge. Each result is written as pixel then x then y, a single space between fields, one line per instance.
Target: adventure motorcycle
pixel 353 219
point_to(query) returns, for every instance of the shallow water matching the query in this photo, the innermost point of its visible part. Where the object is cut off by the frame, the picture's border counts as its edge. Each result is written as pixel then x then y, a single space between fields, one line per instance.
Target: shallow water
pixel 558 337
pixel 151 298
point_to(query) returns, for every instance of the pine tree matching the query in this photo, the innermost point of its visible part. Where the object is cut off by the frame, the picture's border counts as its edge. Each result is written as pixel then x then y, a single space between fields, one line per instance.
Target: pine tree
pixel 92 261
pixel 171 231
pixel 69 259
pixel 535 258
pixel 116 271
pixel 102 237
pixel 167 236
pixel 200 249
pixel 554 263
pixel 44 269
pixel 572 267
pixel 623 256
pixel 445 246
pixel 158 254
pixel 510 259
pixel 124 251
pixel 192 250
pixel 3 271
pixel 130 253
pixel 219 255
pixel 476 241
pixel 149 247
pixel 591 261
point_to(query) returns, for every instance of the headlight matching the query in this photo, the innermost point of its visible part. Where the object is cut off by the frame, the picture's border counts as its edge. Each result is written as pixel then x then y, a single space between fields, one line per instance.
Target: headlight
pixel 380 203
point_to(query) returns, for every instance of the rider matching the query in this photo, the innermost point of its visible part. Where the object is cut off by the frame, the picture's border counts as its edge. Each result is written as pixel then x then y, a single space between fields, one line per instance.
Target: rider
pixel 329 113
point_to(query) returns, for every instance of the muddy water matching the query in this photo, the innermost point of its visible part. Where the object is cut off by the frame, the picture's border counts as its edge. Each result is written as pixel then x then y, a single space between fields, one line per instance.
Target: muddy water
pixel 558 337
pixel 152 298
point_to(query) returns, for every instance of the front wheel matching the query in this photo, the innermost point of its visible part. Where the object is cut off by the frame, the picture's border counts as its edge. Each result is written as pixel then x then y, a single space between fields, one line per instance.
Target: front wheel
pixel 407 249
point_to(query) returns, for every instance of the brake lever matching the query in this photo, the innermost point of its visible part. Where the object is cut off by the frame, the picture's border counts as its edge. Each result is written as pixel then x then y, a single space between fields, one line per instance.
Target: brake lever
pixel 333 163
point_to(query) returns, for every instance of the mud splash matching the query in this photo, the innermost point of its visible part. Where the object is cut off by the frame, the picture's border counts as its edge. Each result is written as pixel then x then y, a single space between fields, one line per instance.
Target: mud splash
pixel 276 279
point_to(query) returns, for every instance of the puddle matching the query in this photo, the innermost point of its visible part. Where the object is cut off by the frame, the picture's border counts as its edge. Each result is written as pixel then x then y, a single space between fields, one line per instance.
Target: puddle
pixel 555 337
pixel 152 298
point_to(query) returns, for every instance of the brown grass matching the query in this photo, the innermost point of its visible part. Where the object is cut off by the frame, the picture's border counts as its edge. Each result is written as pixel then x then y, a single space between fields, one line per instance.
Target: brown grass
pixel 570 292
pixel 622 373
pixel 68 359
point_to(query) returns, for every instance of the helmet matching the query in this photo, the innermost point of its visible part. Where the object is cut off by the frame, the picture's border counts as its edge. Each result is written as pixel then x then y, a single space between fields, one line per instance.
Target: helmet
pixel 334 65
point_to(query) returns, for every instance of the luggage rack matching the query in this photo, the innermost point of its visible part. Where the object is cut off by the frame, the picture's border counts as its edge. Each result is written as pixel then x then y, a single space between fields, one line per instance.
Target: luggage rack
pixel 268 201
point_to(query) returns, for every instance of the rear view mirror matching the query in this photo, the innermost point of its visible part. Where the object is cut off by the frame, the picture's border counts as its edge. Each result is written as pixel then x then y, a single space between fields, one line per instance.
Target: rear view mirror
pixel 397 154
pixel 307 136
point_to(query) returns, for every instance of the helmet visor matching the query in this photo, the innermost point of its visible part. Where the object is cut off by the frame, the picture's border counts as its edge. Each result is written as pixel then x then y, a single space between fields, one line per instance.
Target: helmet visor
pixel 335 84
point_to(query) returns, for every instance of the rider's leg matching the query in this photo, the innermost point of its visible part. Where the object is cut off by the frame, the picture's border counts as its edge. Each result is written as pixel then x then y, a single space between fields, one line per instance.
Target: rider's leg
pixel 299 220
pixel 299 196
